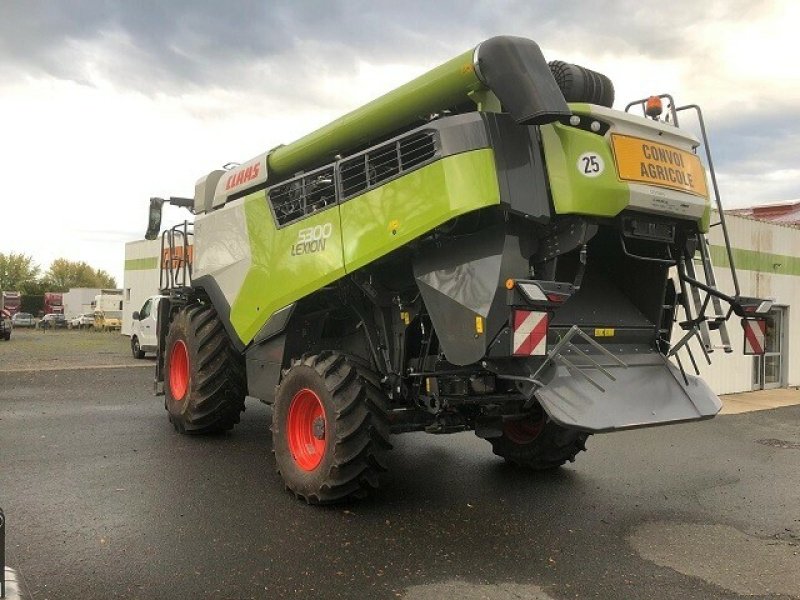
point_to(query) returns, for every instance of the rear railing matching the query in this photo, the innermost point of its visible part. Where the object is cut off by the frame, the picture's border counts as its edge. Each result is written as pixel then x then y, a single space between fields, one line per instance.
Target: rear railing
pixel 175 272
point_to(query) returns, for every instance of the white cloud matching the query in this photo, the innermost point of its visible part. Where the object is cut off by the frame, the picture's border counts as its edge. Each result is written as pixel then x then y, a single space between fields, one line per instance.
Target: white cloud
pixel 104 119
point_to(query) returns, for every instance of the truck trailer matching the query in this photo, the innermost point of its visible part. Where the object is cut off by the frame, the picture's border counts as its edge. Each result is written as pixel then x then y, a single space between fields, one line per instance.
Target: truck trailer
pixel 11 302
pixel 490 247
pixel 53 303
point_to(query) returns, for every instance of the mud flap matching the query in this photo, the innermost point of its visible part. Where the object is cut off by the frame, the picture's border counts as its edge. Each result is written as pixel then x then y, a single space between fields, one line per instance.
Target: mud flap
pixel 649 391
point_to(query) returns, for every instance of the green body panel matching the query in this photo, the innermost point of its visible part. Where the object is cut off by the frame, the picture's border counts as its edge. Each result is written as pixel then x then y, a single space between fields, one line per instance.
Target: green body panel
pixel 360 230
pixel 383 219
pixel 278 274
pixel 603 196
pixel 446 85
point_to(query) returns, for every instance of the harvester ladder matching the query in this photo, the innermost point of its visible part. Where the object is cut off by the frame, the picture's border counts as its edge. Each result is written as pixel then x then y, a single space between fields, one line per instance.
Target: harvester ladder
pixel 711 280
pixel 718 318
pixel 175 270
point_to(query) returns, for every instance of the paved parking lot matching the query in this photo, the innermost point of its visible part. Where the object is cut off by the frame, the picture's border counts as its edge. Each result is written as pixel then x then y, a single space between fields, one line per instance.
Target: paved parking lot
pixel 105 500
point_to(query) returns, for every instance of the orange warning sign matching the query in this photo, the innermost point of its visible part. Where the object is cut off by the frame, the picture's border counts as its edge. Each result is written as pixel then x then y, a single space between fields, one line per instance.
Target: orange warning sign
pixel 644 161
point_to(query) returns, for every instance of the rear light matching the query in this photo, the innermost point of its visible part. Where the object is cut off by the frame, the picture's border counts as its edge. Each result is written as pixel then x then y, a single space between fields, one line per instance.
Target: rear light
pixel 557 298
pixel 532 291
pixel 546 294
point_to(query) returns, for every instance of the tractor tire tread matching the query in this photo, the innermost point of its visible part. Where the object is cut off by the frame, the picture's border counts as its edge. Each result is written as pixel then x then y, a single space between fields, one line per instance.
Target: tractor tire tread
pixel 217 382
pixel 361 437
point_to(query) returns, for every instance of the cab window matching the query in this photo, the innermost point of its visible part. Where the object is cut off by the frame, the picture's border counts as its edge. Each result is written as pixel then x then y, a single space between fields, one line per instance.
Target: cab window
pixel 145 312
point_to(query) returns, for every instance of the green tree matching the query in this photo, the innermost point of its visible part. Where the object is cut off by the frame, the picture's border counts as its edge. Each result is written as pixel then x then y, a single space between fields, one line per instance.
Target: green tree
pixel 104 280
pixel 16 270
pixel 64 274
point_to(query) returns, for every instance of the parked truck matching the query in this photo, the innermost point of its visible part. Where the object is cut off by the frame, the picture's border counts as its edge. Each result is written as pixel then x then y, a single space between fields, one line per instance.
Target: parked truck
pixel 53 303
pixel 11 302
pixel 490 248
pixel 108 310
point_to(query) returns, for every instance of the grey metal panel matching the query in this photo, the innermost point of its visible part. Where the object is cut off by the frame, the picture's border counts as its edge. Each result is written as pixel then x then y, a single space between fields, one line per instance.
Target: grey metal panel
pixel 650 391
pixel 276 323
pixel 263 362
pixel 460 133
pixel 462 278
pixel 599 303
pixel 520 167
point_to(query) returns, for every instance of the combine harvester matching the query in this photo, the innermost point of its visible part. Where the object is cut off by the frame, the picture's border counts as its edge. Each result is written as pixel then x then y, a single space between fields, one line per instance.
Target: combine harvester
pixel 488 248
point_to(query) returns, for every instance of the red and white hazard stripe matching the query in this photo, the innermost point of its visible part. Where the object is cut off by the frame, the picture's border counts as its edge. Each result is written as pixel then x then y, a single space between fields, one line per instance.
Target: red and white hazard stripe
pixel 530 333
pixel 755 334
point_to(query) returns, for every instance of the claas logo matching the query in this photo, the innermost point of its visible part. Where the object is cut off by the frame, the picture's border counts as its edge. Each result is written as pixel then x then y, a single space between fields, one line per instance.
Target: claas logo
pixel 239 177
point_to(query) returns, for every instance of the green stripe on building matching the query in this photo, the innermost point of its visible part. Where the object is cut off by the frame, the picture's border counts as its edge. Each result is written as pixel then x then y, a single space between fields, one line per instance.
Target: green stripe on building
pixel 752 260
pixel 141 264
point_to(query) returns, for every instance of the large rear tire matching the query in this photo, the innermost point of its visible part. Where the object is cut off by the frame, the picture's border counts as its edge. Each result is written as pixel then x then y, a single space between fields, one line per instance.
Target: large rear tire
pixel 538 443
pixel 329 436
pixel 204 387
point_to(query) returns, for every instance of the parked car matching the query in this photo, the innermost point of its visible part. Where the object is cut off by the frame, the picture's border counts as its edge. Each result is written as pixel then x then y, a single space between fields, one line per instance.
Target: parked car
pixel 83 321
pixel 52 321
pixel 5 325
pixel 23 319
pixel 143 330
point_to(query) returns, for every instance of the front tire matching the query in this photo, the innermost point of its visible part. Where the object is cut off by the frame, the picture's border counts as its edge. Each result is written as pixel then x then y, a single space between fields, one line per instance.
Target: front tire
pixel 328 433
pixel 537 443
pixel 204 387
pixel 136 349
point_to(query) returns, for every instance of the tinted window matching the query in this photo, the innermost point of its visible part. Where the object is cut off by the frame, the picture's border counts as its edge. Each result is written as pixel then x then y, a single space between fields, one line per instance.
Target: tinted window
pixel 145 312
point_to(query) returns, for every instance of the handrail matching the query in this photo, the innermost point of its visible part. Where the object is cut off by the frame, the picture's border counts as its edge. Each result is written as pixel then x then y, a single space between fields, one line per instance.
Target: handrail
pixel 717 198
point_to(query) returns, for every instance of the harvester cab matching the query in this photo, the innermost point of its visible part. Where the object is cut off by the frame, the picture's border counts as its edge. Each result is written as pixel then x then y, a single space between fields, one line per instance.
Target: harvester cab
pixel 490 247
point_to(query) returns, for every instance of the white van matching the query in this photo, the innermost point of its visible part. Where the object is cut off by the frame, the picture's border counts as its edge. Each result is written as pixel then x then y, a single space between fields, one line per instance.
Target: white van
pixel 143 329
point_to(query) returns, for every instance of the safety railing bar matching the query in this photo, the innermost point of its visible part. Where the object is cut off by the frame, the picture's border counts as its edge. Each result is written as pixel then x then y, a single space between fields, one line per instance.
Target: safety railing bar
pixel 717 197
pixel 596 364
pixel 575 370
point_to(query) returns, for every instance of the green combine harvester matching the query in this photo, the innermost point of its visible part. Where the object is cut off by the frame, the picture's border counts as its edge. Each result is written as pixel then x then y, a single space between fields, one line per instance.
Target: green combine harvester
pixel 489 248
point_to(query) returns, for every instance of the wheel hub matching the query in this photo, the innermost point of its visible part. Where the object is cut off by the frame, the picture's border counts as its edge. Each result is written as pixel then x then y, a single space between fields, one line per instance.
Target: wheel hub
pixel 178 370
pixel 305 429
pixel 318 428
pixel 524 431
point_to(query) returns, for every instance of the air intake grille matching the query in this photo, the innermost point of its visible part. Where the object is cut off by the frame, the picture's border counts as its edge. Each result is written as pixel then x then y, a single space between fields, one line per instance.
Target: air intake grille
pixel 378 165
pixel 302 196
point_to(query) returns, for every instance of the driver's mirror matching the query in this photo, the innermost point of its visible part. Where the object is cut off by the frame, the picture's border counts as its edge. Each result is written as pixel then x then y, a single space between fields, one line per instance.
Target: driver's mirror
pixel 136 315
pixel 154 218
pixel 755 336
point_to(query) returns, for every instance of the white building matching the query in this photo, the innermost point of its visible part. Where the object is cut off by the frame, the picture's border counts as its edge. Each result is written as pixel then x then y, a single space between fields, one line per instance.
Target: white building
pixel 140 280
pixel 767 259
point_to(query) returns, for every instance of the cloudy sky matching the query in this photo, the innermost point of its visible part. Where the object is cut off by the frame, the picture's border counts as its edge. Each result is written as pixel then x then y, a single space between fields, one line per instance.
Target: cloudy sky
pixel 105 103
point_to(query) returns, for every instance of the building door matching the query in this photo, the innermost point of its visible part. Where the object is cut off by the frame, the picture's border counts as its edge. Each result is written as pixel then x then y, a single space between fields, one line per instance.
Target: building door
pixel 769 371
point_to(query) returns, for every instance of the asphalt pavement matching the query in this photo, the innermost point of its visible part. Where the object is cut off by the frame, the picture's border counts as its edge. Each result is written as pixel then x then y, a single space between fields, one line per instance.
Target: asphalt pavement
pixel 104 500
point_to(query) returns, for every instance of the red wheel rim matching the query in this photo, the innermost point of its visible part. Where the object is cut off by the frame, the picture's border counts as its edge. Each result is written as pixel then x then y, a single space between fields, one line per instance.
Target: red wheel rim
pixel 523 431
pixel 178 370
pixel 306 429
